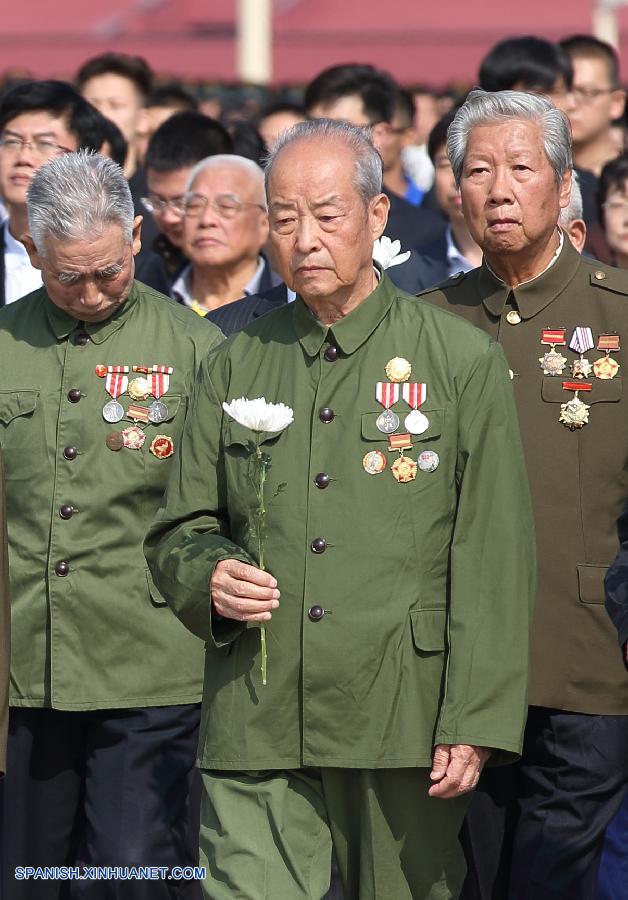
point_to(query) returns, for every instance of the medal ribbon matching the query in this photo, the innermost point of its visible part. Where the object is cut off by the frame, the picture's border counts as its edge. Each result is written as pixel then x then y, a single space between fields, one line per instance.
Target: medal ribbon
pixel 386 393
pixel 581 340
pixel 143 370
pixel 414 393
pixel 164 370
pixel 137 413
pixel 115 382
pixel 577 386
pixel 608 342
pixel 400 442
pixel 159 384
pixel 553 336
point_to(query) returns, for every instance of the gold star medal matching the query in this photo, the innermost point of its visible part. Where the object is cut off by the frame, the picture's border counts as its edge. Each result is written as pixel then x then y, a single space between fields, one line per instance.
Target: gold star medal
pixel 404 468
pixel 398 369
pixel 606 367
pixel 552 362
pixel 575 414
pixel 581 341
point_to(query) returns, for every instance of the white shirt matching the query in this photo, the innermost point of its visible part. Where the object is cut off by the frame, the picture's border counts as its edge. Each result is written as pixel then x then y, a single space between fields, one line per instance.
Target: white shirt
pixel 181 290
pixel 20 278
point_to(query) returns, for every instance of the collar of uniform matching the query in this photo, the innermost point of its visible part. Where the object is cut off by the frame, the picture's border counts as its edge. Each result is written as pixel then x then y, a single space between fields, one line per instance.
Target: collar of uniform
pixel 352 330
pixel 63 324
pixel 532 296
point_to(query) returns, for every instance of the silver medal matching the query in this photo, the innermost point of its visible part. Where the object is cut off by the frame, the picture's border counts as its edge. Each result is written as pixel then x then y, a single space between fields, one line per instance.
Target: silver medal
pixel 387 421
pixel 157 412
pixel 428 461
pixel 416 423
pixel 112 411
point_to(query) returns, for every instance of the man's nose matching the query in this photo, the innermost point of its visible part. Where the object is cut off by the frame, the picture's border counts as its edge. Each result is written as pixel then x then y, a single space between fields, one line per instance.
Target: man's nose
pixel 501 186
pixel 90 293
pixel 306 238
pixel 26 154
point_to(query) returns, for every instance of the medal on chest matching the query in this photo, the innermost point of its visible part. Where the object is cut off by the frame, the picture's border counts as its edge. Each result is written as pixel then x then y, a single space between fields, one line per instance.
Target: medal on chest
pixel 553 362
pixel 606 367
pixel 387 394
pixel 116 383
pixel 581 341
pixel 159 384
pixel 404 468
pixel 415 395
pixel 575 413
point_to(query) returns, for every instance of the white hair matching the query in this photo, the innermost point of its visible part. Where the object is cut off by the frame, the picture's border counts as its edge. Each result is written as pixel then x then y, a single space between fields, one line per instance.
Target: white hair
pixel 76 196
pixel 220 160
pixel 368 162
pixel 486 108
pixel 575 209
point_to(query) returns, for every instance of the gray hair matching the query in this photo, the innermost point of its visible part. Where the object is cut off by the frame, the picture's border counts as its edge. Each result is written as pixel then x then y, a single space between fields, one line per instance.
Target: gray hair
pixel 76 196
pixel 575 208
pixel 251 168
pixel 486 108
pixel 368 162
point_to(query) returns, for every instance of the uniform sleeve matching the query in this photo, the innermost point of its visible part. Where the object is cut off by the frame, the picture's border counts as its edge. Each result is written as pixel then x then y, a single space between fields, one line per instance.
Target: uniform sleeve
pixel 493 570
pixel 616 585
pixel 190 534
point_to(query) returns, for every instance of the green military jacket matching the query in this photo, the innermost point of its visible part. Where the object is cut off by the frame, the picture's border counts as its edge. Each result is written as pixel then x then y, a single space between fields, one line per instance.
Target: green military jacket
pixel 5 626
pixel 89 628
pixel 426 585
pixel 578 479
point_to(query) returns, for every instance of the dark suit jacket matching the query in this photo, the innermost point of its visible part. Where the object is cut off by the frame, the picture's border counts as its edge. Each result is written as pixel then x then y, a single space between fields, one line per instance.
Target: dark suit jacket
pixel 235 316
pixel 414 226
pixel 616 584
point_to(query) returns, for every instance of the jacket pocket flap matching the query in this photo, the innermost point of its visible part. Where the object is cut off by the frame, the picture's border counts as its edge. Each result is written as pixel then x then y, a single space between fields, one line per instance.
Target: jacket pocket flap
pixel 591 583
pixel 428 628
pixel 155 595
pixel 17 403
pixel 370 431
pixel 608 391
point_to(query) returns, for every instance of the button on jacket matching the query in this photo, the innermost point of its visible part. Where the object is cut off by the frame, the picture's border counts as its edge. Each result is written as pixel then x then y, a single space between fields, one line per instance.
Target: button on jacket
pixel 404 608
pixel 89 628
pixel 578 478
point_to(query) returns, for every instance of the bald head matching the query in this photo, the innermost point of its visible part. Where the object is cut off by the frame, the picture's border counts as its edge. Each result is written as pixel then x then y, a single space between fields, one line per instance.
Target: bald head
pixel 236 169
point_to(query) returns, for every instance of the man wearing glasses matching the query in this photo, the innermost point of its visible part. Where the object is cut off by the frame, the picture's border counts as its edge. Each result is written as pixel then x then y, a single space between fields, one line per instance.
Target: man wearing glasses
pixel 39 120
pixel 599 101
pixel 225 227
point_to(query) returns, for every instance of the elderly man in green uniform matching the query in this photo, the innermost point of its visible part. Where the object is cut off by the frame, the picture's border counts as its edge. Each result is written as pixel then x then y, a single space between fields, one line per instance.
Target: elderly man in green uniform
pixel 562 320
pixel 105 681
pixel 397 530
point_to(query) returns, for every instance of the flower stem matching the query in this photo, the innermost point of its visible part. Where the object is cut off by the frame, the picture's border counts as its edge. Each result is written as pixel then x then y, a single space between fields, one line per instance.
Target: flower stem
pixel 261 513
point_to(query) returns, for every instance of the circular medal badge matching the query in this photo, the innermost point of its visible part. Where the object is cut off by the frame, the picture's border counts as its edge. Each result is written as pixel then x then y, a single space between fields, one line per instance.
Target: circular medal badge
pixel 428 461
pixel 157 412
pixel 133 437
pixel 574 414
pixel 581 368
pixel 398 369
pixel 101 370
pixel 139 388
pixel 114 440
pixel 387 422
pixel 552 363
pixel 112 412
pixel 416 423
pixel 374 462
pixel 404 469
pixel 605 368
pixel 162 446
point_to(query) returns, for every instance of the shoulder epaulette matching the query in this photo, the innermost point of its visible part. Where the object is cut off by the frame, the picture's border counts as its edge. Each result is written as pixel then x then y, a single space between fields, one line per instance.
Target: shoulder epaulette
pixel 610 279
pixel 448 282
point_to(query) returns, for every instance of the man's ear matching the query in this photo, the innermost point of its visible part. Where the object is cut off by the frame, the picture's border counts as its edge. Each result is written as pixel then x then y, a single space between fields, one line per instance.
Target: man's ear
pixel 564 192
pixel 577 232
pixel 136 239
pixel 31 249
pixel 378 215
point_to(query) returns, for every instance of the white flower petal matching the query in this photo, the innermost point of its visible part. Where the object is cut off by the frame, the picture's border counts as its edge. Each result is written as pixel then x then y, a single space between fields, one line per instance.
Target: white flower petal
pixel 259 415
pixel 387 252
pixel 399 259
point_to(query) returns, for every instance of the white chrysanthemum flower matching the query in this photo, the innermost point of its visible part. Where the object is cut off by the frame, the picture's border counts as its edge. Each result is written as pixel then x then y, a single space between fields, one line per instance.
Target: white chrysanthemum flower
pixel 259 415
pixel 387 253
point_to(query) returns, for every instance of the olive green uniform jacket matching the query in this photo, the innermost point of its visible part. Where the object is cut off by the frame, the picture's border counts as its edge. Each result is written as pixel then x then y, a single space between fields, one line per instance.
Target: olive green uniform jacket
pixel 426 585
pixel 93 633
pixel 5 626
pixel 579 479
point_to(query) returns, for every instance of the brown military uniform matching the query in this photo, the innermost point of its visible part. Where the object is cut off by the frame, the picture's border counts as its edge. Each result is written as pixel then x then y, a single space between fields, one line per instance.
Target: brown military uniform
pixel 578 479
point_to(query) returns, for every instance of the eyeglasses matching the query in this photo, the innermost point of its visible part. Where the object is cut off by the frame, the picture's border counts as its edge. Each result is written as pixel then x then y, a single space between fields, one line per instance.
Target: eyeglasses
pixel 588 95
pixel 40 147
pixel 159 206
pixel 616 206
pixel 225 205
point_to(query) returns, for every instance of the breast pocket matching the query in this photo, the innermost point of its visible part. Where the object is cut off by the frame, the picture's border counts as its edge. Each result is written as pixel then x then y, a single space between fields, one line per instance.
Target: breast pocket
pixel 370 431
pixel 20 421
pixel 426 452
pixel 609 391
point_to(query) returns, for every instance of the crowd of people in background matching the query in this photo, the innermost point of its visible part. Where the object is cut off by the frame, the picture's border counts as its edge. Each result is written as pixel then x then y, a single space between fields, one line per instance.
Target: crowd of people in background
pixel 193 156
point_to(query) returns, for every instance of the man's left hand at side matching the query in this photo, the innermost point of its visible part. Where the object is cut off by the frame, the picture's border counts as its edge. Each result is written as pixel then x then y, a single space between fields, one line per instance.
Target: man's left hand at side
pixel 456 769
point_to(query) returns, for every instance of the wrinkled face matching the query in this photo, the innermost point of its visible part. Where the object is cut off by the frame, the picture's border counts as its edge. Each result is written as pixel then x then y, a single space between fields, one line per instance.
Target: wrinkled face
pixel 321 231
pixel 117 98
pixel 88 279
pixel 48 136
pixel 616 219
pixel 169 188
pixel 212 239
pixel 596 102
pixel 272 125
pixel 447 194
pixel 510 197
